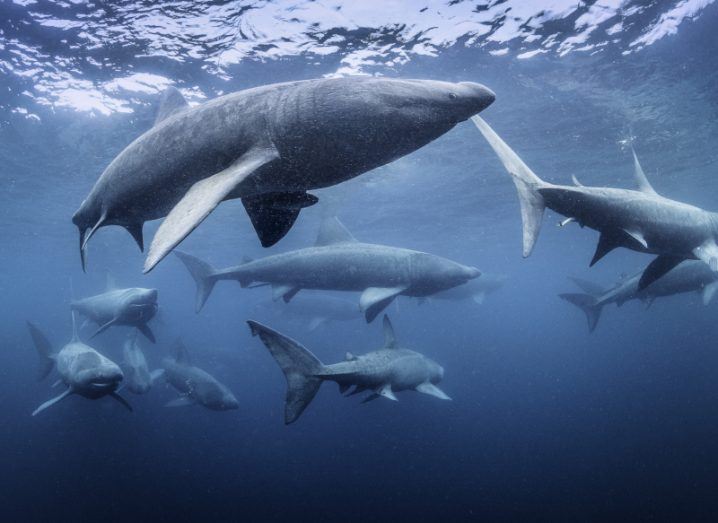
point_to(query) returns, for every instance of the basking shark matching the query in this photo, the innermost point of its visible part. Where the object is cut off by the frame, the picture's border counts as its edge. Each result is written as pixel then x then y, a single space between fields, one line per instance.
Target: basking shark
pixel 82 369
pixel 688 276
pixel 474 290
pixel 268 146
pixel 385 371
pixel 138 378
pixel 640 220
pixel 195 386
pixel 339 262
pixel 315 309
pixel 132 307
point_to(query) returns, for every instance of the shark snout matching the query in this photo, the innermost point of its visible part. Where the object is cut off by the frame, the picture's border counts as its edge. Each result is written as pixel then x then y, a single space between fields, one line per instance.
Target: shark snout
pixel 478 97
pixel 472 273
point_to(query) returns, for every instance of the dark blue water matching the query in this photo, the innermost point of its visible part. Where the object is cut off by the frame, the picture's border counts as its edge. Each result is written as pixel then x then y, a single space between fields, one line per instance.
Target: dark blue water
pixel 547 422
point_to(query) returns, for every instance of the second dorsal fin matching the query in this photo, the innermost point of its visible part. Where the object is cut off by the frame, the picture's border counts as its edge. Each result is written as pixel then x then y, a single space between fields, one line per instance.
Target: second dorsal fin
pixel 643 184
pixel 171 103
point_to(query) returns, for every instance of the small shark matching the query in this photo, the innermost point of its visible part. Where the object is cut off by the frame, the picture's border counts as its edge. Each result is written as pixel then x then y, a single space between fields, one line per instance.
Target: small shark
pixel 314 309
pixel 385 371
pixel 196 387
pixel 138 378
pixel 268 146
pixel 82 369
pixel 640 220
pixel 688 276
pixel 474 290
pixel 131 307
pixel 339 262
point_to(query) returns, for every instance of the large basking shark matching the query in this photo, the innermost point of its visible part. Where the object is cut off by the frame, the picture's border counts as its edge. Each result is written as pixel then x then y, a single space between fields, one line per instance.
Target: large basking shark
pixel 195 386
pixel 268 146
pixel 385 371
pixel 132 307
pixel 688 276
pixel 640 220
pixel 82 369
pixel 339 262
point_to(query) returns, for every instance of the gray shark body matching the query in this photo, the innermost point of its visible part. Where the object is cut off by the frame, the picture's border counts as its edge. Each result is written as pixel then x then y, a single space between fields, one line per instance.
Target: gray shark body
pixel 638 220
pixel 132 307
pixel 339 262
pixel 195 386
pixel 84 371
pixel 688 276
pixel 385 371
pixel 268 146
pixel 138 378
pixel 474 290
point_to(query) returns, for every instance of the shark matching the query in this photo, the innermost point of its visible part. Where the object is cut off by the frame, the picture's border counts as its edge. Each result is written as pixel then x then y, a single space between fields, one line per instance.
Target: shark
pixel 84 371
pixel 138 378
pixel 339 262
pixel 640 220
pixel 474 290
pixel 688 276
pixel 268 146
pixel 133 307
pixel 384 372
pixel 315 309
pixel 195 386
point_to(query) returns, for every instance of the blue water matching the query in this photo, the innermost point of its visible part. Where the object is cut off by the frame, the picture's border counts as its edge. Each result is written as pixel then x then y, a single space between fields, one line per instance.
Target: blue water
pixel 547 422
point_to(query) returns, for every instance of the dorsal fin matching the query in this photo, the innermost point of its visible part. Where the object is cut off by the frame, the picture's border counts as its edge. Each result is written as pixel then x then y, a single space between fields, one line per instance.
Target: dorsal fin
pixel 110 284
pixel 389 337
pixel 180 353
pixel 575 181
pixel 333 231
pixel 172 102
pixel 75 336
pixel 643 183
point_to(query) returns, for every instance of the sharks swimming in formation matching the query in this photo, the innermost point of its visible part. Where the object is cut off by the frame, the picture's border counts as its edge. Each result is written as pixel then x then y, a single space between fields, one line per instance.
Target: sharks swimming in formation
pixel 639 220
pixel 383 372
pixel 268 146
pixel 379 272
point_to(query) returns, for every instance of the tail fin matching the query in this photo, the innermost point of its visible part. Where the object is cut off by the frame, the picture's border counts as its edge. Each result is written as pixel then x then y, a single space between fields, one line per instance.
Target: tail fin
pixel 44 349
pixel 300 367
pixel 202 273
pixel 588 304
pixel 526 181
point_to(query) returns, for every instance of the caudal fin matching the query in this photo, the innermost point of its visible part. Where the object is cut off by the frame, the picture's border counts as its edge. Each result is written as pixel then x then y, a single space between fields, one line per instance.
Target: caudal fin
pixel 301 369
pixel 526 181
pixel 202 273
pixel 44 349
pixel 588 304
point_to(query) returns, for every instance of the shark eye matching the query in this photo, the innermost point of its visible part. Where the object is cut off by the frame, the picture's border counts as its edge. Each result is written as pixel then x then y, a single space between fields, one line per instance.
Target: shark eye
pixel 453 96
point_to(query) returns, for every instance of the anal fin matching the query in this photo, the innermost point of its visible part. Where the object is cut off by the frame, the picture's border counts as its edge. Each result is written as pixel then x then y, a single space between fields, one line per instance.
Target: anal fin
pixel 104 327
pixel 50 403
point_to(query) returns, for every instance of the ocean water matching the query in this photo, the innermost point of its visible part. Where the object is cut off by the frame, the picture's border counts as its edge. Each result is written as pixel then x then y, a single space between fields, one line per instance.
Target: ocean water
pixel 547 422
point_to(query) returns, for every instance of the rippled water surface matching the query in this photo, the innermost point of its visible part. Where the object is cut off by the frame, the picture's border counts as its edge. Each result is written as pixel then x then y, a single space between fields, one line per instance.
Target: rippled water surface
pixel 547 422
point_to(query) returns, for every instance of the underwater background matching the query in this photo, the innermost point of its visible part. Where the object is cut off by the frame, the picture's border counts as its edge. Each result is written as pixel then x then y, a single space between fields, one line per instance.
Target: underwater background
pixel 547 422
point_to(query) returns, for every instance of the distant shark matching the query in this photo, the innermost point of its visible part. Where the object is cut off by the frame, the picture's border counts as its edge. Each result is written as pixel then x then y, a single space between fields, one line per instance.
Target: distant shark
pixel 268 146
pixel 82 369
pixel 316 309
pixel 132 307
pixel 688 276
pixel 138 378
pixel 474 290
pixel 385 371
pixel 339 262
pixel 639 220
pixel 195 386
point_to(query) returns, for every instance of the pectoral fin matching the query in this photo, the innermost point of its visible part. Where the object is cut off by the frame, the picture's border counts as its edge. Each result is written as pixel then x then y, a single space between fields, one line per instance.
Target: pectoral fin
pixel 145 329
pixel 156 375
pixel 122 401
pixel 50 403
pixel 182 401
pixel 656 269
pixel 273 214
pixel 104 327
pixel 432 390
pixel 201 199
pixel 386 392
pixel 286 292
pixel 375 299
